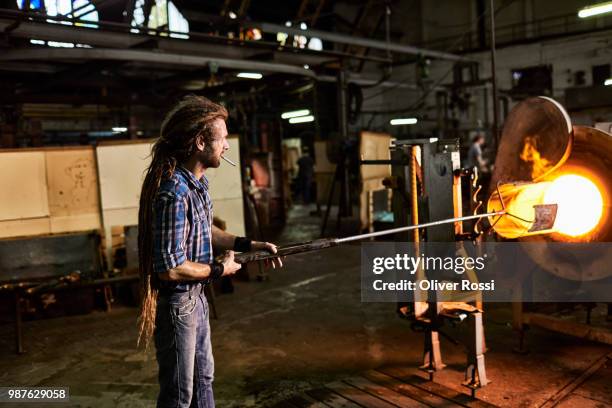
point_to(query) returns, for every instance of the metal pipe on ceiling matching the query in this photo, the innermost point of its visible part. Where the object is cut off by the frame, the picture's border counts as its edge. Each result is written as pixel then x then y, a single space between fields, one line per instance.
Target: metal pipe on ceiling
pixel 80 54
pixel 121 35
pixel 362 81
pixel 363 42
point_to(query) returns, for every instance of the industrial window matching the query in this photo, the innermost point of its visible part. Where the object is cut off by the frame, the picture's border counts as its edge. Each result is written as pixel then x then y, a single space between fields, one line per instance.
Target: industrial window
pixel 34 4
pixel 601 74
pixel 82 10
pixel 163 16
pixel 79 9
pixel 532 81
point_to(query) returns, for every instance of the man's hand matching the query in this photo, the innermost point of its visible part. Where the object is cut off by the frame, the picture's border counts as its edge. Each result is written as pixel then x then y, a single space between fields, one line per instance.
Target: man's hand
pixel 267 246
pixel 230 267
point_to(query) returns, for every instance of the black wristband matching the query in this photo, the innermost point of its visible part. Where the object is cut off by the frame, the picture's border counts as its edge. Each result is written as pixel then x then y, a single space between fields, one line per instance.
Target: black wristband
pixel 216 270
pixel 242 244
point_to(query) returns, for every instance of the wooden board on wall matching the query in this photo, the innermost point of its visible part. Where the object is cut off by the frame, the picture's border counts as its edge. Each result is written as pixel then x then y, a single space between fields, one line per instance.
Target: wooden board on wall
pixel 322 163
pixel 73 182
pixel 225 185
pixel 73 190
pixel 231 211
pixel 225 182
pixel 121 171
pixel 24 227
pixel 23 185
pixel 374 146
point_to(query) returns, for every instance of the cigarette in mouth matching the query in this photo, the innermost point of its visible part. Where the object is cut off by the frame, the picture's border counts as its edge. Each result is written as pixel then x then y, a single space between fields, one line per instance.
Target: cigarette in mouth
pixel 229 161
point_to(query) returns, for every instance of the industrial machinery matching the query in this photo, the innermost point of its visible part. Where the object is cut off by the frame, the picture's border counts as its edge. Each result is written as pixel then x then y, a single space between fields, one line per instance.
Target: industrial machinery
pixel 543 158
pixel 426 181
pixel 551 184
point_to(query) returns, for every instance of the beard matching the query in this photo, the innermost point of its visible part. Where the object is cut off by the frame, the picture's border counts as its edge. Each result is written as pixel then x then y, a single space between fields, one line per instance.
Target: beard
pixel 209 159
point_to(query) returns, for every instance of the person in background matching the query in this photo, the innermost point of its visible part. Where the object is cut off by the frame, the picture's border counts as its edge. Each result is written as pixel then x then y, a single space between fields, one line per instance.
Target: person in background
pixel 474 156
pixel 305 174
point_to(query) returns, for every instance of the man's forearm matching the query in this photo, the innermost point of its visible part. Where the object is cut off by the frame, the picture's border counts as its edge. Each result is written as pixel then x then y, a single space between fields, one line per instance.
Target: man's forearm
pixel 222 240
pixel 188 271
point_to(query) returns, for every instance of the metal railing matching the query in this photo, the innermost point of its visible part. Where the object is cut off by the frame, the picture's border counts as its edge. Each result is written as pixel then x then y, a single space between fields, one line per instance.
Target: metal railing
pixel 558 26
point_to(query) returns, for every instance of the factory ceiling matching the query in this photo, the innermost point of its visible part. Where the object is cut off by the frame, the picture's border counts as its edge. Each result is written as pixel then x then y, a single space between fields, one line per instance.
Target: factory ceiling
pixel 118 50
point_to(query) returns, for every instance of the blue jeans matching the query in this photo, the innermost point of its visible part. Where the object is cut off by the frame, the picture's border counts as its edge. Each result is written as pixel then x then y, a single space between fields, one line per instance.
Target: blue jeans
pixel 184 352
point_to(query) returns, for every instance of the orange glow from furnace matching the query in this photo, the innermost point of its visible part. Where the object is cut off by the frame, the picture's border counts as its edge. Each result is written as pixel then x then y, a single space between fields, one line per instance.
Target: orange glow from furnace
pixel 580 204
pixel 531 154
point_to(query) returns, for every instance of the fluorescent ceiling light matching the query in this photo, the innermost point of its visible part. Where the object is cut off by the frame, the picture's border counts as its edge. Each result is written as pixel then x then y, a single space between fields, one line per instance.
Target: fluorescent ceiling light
pixel 58 44
pixel 302 119
pixel 295 114
pixel 250 75
pixel 608 82
pixel 403 121
pixel 595 9
pixel 119 129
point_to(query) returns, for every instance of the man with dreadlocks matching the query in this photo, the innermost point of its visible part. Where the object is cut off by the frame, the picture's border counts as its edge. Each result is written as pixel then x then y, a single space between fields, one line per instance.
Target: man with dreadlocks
pixel 175 244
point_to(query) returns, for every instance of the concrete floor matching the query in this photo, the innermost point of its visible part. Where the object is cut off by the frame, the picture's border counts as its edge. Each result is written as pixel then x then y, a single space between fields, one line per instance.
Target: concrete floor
pixel 303 328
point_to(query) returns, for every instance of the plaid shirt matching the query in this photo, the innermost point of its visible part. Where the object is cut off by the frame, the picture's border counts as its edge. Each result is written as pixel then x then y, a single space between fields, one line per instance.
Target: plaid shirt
pixel 182 223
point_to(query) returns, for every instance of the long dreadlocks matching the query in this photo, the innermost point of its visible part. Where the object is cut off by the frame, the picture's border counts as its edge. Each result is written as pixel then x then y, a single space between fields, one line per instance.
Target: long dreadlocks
pixel 189 121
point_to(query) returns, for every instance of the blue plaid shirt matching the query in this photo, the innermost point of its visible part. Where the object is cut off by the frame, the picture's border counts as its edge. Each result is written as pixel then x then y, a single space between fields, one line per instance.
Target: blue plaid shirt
pixel 182 224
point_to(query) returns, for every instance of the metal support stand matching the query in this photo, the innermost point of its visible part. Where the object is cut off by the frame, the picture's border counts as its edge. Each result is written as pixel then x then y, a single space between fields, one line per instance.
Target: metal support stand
pixel 344 203
pixel 342 171
pixel 108 297
pixel 475 373
pixel 262 275
pixel 589 309
pixel 432 356
pixel 521 349
pixel 517 320
pixel 330 198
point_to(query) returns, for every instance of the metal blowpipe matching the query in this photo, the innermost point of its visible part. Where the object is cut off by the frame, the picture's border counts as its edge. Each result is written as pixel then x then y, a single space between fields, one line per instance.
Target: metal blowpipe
pixel 544 219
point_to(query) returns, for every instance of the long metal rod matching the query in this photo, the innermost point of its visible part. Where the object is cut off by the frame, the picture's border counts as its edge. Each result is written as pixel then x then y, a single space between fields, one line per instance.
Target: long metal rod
pixel 412 227
pixel 541 214
pixel 332 242
pixel 544 219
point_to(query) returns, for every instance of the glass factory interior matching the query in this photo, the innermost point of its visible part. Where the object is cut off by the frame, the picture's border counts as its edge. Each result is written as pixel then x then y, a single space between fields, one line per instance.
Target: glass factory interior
pixel 362 135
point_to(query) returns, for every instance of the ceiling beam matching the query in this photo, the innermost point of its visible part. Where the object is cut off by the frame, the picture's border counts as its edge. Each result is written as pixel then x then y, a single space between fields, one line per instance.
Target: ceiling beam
pixel 364 42
pixel 198 43
pixel 91 54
